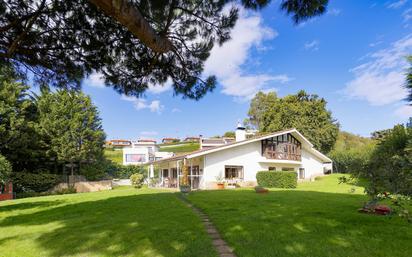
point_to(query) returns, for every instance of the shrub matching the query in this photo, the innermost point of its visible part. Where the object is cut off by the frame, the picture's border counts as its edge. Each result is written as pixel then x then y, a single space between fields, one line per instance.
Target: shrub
pixel 32 182
pixel 281 179
pixel 137 180
pixel 99 170
pixel 124 172
pixel 5 170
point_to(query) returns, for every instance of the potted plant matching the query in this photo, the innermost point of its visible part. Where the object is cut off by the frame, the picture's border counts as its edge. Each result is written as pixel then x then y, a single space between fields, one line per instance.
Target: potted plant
pixel 184 188
pixel 219 181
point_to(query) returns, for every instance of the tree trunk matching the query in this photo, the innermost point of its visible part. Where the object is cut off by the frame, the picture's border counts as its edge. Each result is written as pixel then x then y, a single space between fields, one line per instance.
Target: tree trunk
pixel 129 16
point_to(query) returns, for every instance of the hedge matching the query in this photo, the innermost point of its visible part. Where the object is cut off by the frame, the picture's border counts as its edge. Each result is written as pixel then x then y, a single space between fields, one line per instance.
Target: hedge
pixel 34 182
pixel 280 179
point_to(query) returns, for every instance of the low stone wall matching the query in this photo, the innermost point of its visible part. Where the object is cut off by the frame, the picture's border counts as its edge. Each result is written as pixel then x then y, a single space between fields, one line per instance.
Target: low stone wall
pixel 86 186
pixel 122 182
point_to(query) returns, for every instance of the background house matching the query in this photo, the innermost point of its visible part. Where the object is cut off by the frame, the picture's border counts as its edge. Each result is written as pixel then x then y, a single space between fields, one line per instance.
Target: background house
pixel 168 140
pixel 118 144
pixel 192 139
pixel 143 151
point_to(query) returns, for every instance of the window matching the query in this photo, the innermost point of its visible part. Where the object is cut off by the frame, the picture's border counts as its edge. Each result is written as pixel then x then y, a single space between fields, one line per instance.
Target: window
pixel 287 169
pixel 233 172
pixel 272 168
pixel 135 158
pixel 301 173
pixel 174 172
pixel 165 173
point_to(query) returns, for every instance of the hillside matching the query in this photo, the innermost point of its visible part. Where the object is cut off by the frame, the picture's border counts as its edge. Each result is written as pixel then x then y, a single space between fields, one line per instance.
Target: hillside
pixel 348 141
pixel 179 147
pixel 114 155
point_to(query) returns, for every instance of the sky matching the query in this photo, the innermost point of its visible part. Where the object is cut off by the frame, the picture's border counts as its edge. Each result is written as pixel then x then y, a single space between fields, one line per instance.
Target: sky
pixel 353 56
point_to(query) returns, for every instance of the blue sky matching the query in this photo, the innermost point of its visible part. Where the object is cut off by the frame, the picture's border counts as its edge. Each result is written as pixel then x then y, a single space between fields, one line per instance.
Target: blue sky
pixel 353 56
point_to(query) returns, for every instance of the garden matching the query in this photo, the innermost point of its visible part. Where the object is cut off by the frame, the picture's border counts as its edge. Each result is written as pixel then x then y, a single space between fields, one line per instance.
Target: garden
pixel 315 219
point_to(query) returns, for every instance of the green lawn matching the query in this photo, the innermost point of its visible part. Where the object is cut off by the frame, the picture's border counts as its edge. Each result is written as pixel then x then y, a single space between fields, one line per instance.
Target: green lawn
pixel 317 219
pixel 179 147
pixel 122 222
pixel 114 155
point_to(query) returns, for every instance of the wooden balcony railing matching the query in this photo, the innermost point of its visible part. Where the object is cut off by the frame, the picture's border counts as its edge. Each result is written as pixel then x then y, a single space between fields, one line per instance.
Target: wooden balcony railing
pixel 282 156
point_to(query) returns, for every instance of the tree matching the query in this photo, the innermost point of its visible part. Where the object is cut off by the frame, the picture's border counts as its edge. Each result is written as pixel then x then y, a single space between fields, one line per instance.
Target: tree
pixel 229 134
pixel 351 153
pixel 132 43
pixel 259 106
pixel 69 123
pixel 408 84
pixel 19 142
pixel 306 113
pixel 390 167
pixel 5 170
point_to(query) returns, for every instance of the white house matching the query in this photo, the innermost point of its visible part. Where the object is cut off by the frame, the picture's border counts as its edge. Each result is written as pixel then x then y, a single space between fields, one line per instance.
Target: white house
pixel 143 151
pixel 239 161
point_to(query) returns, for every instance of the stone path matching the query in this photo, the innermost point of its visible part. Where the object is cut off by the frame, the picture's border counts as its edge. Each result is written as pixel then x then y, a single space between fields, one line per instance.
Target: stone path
pixel 220 245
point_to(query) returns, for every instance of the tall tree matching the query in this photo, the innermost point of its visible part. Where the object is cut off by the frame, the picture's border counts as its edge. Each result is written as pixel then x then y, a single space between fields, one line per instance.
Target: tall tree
pixel 133 43
pixel 70 123
pixel 19 142
pixel 390 166
pixel 302 111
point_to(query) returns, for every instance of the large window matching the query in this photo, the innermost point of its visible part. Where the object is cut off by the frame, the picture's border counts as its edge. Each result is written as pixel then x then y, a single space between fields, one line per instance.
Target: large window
pixel 283 147
pixel 135 158
pixel 233 172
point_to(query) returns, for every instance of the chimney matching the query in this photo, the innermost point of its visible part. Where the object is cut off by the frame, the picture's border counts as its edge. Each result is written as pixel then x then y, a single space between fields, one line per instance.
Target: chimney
pixel 240 132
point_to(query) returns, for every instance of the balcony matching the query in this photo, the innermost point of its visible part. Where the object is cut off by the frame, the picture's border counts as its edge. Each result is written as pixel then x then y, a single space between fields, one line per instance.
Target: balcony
pixel 278 155
pixel 284 147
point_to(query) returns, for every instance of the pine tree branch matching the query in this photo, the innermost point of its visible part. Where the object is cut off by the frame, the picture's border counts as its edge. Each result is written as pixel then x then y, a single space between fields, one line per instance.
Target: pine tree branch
pixel 129 16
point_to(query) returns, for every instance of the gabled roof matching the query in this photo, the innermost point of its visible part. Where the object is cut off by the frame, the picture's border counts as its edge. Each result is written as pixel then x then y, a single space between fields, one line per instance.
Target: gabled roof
pixel 305 142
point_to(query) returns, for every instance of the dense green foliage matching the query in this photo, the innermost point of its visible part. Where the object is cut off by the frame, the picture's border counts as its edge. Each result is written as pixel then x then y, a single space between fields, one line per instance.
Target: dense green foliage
pixel 46 133
pixel 390 166
pixel 229 134
pixel 19 140
pixel 62 41
pixel 351 153
pixel 278 179
pixel 5 170
pixel 307 113
pixel 317 218
pixel 34 182
pixel 70 124
pixel 137 180
pixel 125 171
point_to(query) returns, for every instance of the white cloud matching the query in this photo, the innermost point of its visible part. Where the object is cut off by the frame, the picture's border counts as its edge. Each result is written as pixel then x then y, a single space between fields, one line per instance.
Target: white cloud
pixel 149 133
pixel 404 111
pixel 95 80
pixel 380 80
pixel 227 61
pixel 407 15
pixel 176 110
pixel 158 89
pixel 397 4
pixel 334 12
pixel 312 46
pixel 140 104
pixel 375 43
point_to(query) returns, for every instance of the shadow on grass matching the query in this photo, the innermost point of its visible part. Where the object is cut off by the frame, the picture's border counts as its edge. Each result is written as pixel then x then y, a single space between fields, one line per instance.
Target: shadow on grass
pixel 136 225
pixel 28 205
pixel 302 223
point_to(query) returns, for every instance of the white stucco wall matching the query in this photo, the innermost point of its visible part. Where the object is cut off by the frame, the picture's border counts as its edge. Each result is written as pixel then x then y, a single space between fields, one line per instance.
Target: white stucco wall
pixel 313 165
pixel 249 156
pixel 244 155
